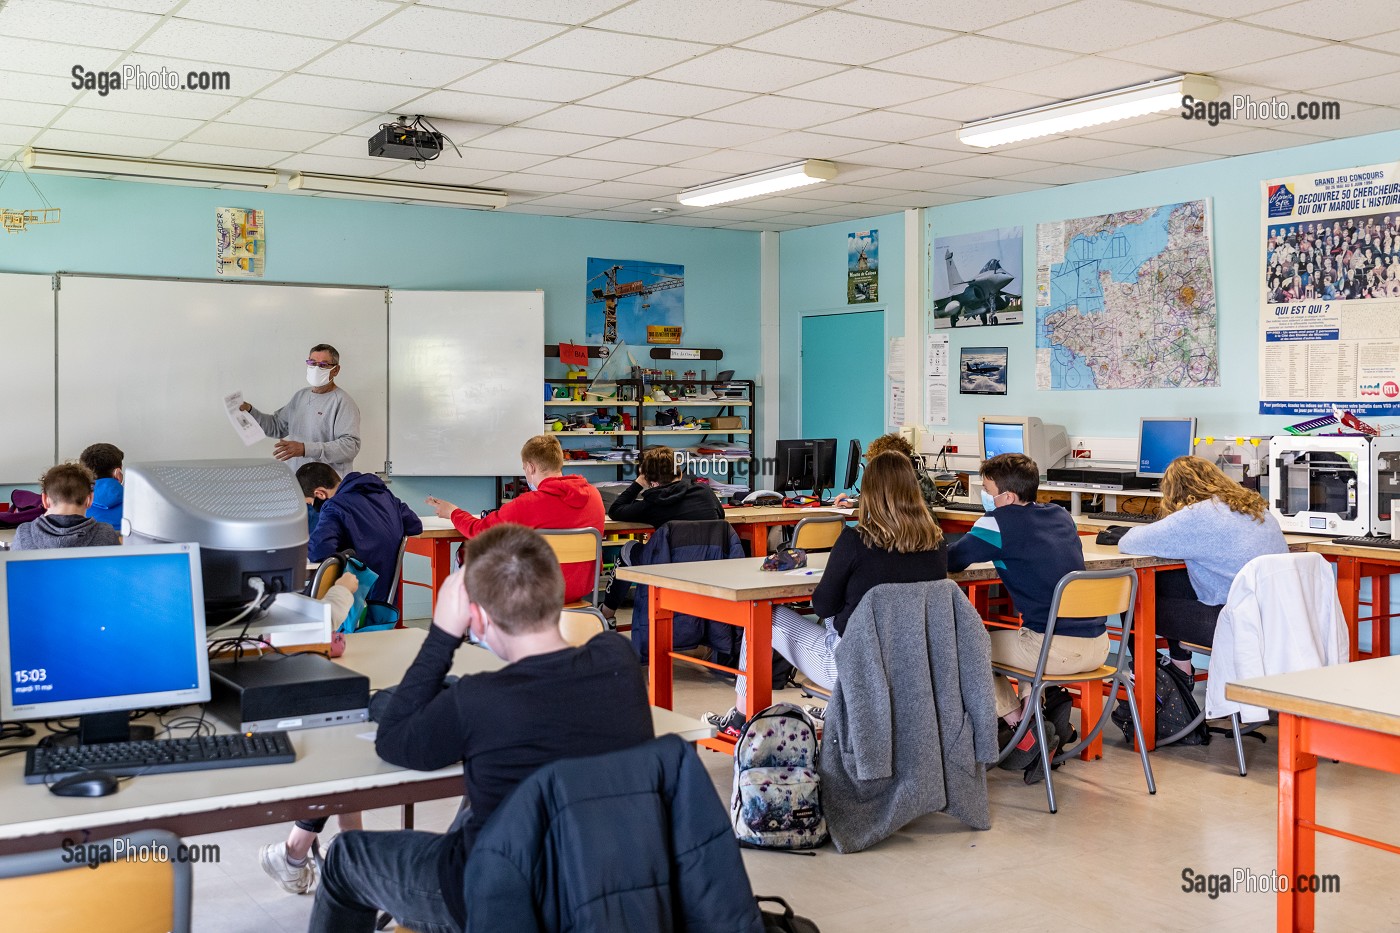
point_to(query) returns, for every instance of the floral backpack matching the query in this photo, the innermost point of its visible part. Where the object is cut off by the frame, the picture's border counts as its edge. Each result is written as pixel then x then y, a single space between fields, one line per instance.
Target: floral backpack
pixel 777 795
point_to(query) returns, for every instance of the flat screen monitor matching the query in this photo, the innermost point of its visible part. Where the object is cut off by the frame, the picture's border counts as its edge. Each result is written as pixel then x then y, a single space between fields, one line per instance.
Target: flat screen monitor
pixel 853 454
pixel 99 632
pixel 807 464
pixel 1046 444
pixel 1162 440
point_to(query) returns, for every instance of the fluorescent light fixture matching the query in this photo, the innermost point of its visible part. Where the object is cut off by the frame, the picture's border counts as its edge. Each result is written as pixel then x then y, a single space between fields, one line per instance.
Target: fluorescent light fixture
pixel 1054 119
pixel 757 184
pixel 94 164
pixel 417 191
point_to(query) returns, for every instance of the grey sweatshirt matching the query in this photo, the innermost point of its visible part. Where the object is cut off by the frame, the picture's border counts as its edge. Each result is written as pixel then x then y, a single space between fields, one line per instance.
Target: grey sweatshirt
pixel 49 531
pixel 328 424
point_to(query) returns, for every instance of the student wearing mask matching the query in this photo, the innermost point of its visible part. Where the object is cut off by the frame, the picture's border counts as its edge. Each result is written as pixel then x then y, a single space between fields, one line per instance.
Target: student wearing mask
pixel 321 423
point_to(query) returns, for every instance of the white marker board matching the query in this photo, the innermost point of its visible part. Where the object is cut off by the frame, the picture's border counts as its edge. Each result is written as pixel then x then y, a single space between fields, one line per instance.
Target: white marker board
pixel 145 363
pixel 27 373
pixel 466 381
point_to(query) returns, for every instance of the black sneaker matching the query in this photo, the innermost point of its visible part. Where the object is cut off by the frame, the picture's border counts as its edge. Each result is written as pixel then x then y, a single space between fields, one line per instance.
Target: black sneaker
pixel 1059 703
pixel 1027 753
pixel 730 723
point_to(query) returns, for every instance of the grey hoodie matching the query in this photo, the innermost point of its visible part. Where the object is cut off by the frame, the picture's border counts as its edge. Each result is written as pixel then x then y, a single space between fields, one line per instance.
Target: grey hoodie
pixel 49 531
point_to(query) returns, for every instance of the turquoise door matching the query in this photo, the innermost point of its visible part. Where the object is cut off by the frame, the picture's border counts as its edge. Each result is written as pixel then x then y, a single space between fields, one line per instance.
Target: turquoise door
pixel 843 379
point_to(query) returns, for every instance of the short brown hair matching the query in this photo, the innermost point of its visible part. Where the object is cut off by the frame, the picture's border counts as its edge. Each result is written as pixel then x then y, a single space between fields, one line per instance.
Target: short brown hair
pixel 316 475
pixel 326 348
pixel 513 575
pixel 1013 473
pixel 1189 480
pixel 104 460
pixel 893 515
pixel 69 483
pixel 891 441
pixel 543 453
pixel 658 465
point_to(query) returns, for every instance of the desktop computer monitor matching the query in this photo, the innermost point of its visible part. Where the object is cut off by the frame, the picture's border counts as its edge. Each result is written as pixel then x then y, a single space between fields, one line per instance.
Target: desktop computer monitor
pixel 853 455
pixel 247 516
pixel 805 464
pixel 1162 440
pixel 1046 444
pixel 98 632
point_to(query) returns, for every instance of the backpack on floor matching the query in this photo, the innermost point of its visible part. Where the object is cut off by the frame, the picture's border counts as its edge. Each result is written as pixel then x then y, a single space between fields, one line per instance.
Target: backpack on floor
pixel 785 922
pixel 1176 707
pixel 776 802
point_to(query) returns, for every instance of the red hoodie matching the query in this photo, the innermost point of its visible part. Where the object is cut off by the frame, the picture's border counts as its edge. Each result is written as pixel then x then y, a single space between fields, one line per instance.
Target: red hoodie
pixel 559 502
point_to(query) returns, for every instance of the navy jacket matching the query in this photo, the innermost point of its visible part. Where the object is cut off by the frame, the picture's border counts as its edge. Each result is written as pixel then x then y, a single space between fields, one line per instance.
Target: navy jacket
pixel 365 516
pixel 636 841
pixel 675 543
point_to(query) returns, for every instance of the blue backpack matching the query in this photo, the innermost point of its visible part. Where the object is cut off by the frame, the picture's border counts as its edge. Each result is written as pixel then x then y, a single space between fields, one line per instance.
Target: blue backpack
pixel 776 802
pixel 366 615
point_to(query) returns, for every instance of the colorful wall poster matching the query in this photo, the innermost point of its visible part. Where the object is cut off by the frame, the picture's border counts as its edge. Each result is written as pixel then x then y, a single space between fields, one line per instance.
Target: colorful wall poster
pixel 1330 311
pixel 240 242
pixel 634 302
pixel 863 267
pixel 976 278
pixel 982 371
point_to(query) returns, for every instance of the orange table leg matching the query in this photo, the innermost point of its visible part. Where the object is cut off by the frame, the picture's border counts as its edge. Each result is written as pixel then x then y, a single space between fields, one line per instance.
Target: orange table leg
pixel 659 650
pixel 1380 609
pixel 1349 593
pixel 1091 700
pixel 758 657
pixel 1145 653
pixel 439 554
pixel 1297 809
pixel 756 533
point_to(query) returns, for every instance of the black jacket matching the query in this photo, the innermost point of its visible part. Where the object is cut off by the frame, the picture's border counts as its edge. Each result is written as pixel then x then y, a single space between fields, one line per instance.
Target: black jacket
pixel 635 841
pixel 679 542
pixel 684 500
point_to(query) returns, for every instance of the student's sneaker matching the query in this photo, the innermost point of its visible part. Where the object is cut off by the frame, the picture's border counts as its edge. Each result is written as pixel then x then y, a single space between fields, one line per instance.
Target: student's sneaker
pixel 294 879
pixel 1026 752
pixel 818 713
pixel 730 723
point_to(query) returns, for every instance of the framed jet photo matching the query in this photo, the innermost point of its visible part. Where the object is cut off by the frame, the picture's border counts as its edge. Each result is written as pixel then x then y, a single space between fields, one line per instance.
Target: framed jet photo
pixel 977 278
pixel 982 371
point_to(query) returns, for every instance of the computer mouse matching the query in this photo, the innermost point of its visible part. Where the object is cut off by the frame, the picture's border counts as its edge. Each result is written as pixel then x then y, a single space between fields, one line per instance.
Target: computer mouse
pixel 85 784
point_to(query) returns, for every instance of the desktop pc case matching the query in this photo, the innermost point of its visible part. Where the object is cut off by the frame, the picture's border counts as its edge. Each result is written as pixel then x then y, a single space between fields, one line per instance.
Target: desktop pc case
pixel 1336 485
pixel 286 692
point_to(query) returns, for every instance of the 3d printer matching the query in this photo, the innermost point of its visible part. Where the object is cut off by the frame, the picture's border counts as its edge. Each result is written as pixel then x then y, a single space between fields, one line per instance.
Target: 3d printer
pixel 1340 485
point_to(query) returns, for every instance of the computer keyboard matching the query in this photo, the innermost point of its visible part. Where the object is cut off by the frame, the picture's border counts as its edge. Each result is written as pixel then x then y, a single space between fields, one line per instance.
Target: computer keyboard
pixel 963 506
pixel 1121 517
pixel 1369 542
pixel 155 756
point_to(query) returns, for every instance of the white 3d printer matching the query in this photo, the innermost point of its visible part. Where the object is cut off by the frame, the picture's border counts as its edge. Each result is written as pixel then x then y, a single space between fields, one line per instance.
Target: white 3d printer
pixel 1339 485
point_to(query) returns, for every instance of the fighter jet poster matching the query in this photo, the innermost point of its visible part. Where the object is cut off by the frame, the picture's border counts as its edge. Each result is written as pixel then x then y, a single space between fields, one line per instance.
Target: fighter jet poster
pixel 983 371
pixel 977 278
pixel 862 267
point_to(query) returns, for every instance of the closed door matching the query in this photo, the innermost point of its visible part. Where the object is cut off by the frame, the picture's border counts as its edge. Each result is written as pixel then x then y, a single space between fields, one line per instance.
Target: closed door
pixel 843 379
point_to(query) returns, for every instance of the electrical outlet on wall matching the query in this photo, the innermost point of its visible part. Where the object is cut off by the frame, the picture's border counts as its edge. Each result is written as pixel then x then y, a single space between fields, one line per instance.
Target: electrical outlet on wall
pixel 1081 453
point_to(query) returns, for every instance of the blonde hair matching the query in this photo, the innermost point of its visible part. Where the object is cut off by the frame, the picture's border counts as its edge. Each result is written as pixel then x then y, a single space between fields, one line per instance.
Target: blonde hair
pixel 543 453
pixel 1189 480
pixel 893 515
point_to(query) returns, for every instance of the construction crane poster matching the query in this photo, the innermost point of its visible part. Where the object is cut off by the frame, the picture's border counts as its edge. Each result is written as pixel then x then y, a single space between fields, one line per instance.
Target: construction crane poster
pixel 863 267
pixel 634 302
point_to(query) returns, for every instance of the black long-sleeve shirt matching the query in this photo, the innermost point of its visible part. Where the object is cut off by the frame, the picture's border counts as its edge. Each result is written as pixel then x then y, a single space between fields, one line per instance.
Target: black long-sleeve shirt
pixel 684 500
pixel 505 724
pixel 854 568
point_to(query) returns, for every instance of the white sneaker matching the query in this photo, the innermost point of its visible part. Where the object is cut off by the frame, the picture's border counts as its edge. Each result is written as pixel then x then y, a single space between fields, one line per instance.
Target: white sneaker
pixel 294 879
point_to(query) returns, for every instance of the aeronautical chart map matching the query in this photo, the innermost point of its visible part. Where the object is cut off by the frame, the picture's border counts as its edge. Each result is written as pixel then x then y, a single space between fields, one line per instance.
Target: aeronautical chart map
pixel 1127 300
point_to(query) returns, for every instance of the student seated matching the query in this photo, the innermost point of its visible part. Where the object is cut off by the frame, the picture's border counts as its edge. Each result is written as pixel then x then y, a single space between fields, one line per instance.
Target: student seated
pixel 360 513
pixel 105 462
pixel 503 725
pixel 896 540
pixel 658 495
pixel 900 445
pixel 66 494
pixel 1034 544
pixel 554 501
pixel 1216 526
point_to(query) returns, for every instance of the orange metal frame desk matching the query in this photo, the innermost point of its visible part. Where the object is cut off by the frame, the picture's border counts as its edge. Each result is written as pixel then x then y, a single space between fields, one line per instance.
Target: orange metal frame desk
pixel 1355 564
pixel 1347 712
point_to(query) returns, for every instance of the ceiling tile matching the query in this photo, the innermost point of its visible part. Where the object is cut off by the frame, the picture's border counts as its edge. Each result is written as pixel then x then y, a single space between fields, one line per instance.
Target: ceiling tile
pixel 968 17
pixel 542 184
pixel 836 36
pixel 598 120
pixel 784 112
pixel 535 82
pixel 379 64
pixel 1250 140
pixel 948 141
pixel 975 103
pixel 544 142
pixel 159 7
pixel 974 60
pixel 255 137
pixel 914 181
pixel 1382 90
pixel 673 177
pixel 478 108
pixel 1067 149
pixel 707 133
pixel 762 227
pixel 1225 9
pixel 617 215
pixel 326 19
pixel 437 174
pixel 628 189
pixel 50 58
pixel 334 165
pixel 36 89
pixel 1300 72
pixel 192 105
pixel 1162 130
pixel 1214 47
pixel 636 150
pixel 1359 122
pixel 296 116
pixel 581 202
pixel 574 167
pixel 105 143
pixel 1069 174
pixel 727 162
pixel 569 12
pixel 807 145
pixel 1384 42
pixel 903 156
pixel 243 80
pixel 223 155
pixel 1097 25
pixel 84 120
pixel 720 22
pixel 992 187
pixel 865 87
pixel 426 29
pixel 984 165
pixel 19 113
pixel 1151 159
pixel 733 213
pixel 835 192
pixel 681 100
pixel 789 206
pixel 1088 75
pixel 1321 18
pixel 611 52
pixel 854 173
pixel 337 92
pixel 742 70
pixel 920 199
pixel 220 45
pixel 80 25
pixel 852 211
pixel 540 209
pixel 887 126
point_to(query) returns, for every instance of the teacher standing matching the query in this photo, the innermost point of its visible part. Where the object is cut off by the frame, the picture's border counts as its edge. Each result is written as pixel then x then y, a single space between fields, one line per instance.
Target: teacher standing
pixel 321 423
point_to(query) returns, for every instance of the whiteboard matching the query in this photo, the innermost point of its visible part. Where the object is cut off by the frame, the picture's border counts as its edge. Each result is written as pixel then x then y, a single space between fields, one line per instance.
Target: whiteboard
pixel 26 368
pixel 466 386
pixel 146 363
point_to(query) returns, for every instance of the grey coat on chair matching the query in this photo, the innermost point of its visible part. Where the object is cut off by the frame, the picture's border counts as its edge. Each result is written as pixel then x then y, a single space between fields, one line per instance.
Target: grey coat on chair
pixel 912 721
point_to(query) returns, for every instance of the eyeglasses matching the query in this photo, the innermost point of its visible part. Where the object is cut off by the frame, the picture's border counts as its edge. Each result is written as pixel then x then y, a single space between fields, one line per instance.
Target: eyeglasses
pixel 319 365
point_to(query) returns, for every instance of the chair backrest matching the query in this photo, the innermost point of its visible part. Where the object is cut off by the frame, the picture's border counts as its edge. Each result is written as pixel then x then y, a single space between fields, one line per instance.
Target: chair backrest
pixel 576 545
pixel 819 532
pixel 42 891
pixel 398 571
pixel 326 574
pixel 579 625
pixel 1086 594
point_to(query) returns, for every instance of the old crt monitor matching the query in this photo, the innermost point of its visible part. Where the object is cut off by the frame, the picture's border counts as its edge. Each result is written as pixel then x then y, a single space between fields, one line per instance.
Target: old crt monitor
pixel 1046 444
pixel 98 632
pixel 247 516
pixel 1162 440
pixel 806 464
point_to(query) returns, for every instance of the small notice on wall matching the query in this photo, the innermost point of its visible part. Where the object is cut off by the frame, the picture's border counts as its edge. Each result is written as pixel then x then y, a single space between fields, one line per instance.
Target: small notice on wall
pixel 936 380
pixel 240 242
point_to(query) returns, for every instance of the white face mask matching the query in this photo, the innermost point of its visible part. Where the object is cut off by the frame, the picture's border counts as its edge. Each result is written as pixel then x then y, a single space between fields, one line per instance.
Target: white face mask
pixel 317 377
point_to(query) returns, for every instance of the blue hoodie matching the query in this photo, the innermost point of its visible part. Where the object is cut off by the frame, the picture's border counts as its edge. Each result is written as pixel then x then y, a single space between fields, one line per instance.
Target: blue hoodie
pixel 107 503
pixel 365 516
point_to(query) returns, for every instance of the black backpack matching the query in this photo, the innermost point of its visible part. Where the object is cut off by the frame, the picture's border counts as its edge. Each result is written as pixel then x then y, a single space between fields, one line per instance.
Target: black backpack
pixel 785 922
pixel 1176 707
